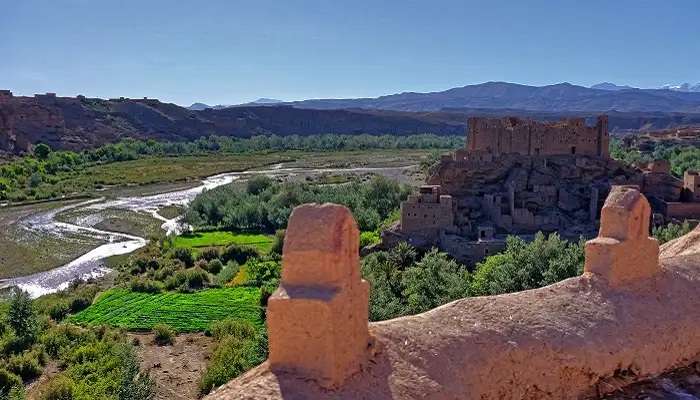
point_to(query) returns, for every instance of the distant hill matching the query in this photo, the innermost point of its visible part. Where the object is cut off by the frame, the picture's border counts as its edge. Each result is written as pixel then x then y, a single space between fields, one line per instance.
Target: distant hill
pixel 611 86
pixel 683 87
pixel 198 107
pixel 78 123
pixel 562 97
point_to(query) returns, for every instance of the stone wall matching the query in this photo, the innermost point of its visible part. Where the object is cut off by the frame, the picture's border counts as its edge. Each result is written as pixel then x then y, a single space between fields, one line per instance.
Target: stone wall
pixel 427 213
pixel 682 211
pixel 631 315
pixel 691 185
pixel 511 135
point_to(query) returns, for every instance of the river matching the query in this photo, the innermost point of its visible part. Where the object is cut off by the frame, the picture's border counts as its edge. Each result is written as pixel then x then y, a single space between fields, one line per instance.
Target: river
pixel 91 265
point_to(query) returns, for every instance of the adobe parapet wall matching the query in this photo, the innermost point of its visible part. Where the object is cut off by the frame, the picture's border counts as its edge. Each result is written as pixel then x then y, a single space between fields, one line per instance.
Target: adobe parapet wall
pixel 630 315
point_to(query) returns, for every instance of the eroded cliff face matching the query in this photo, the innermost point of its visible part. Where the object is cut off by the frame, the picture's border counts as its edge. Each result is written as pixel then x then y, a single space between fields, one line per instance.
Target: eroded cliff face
pixel 79 123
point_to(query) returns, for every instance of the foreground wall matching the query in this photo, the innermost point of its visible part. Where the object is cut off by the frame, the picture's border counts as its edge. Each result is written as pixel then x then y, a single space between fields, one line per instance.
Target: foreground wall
pixel 628 317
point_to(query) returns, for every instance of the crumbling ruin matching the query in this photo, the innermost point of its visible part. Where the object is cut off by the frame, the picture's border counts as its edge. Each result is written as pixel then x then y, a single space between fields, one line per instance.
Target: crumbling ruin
pixel 625 319
pixel 518 177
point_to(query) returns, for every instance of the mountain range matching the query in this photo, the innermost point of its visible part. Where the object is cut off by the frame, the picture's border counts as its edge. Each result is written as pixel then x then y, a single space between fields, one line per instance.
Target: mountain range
pixel 561 97
pixel 79 122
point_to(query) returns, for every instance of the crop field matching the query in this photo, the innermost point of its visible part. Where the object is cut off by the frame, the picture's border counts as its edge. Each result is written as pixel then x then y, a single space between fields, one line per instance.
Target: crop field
pixel 184 312
pixel 222 238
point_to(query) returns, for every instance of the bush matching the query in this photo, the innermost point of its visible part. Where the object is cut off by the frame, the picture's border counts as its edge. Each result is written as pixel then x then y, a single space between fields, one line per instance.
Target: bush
pixel 188 279
pixel 59 310
pixel 231 327
pixel 258 184
pixel 209 254
pixel 17 393
pixel 233 356
pixel 184 255
pixel 61 336
pixel 278 244
pixel 59 388
pixel 263 273
pixel 164 272
pixel 8 380
pixel 671 231
pixel 25 365
pixel 134 384
pixel 227 273
pixel 79 303
pixel 145 285
pixel 238 253
pixel 163 334
pixel 214 266
pixel 369 238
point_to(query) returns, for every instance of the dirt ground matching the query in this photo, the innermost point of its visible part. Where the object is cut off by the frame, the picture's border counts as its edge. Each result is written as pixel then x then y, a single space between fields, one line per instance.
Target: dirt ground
pixel 176 369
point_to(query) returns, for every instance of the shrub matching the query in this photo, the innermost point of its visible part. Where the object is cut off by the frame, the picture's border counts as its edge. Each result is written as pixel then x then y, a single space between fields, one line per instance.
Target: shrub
pixel 164 272
pixel 232 357
pixel 231 327
pixel 369 238
pixel 25 365
pixel 227 273
pixel 79 303
pixel 8 380
pixel 184 255
pixel 17 393
pixel 134 384
pixel 42 151
pixel 671 231
pixel 214 266
pixel 258 184
pixel 209 254
pixel 188 279
pixel 263 273
pixel 163 334
pixel 59 388
pixel 238 253
pixel 61 336
pixel 145 285
pixel 278 244
pixel 59 310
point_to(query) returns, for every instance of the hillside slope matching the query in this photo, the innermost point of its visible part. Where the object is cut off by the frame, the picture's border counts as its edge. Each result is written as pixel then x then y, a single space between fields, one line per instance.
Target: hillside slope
pixel 78 123
pixel 559 97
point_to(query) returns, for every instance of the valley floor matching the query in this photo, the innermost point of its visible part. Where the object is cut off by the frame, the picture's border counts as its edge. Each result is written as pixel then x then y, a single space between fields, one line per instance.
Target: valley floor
pixel 27 251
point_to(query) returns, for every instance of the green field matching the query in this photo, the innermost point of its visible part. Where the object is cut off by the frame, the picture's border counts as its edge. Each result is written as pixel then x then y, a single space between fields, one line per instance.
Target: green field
pixel 184 312
pixel 222 238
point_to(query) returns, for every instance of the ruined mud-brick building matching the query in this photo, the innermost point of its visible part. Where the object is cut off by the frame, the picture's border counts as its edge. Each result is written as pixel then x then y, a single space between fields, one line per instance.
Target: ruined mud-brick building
pixel 519 176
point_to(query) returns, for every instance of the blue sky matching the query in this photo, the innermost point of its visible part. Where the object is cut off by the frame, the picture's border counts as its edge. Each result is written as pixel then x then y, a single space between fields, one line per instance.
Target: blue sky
pixel 226 52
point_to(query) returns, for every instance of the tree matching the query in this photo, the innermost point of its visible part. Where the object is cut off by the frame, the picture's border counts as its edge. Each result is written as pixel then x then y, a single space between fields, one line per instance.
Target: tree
pixel 42 151
pixel 21 316
pixel 523 266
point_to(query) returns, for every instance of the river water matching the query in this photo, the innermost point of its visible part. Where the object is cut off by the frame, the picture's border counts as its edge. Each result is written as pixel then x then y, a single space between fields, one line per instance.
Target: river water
pixel 90 264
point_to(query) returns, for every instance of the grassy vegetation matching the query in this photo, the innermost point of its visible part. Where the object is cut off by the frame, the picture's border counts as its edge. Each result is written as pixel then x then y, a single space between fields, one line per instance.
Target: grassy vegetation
pixel 262 242
pixel 171 212
pixel 184 312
